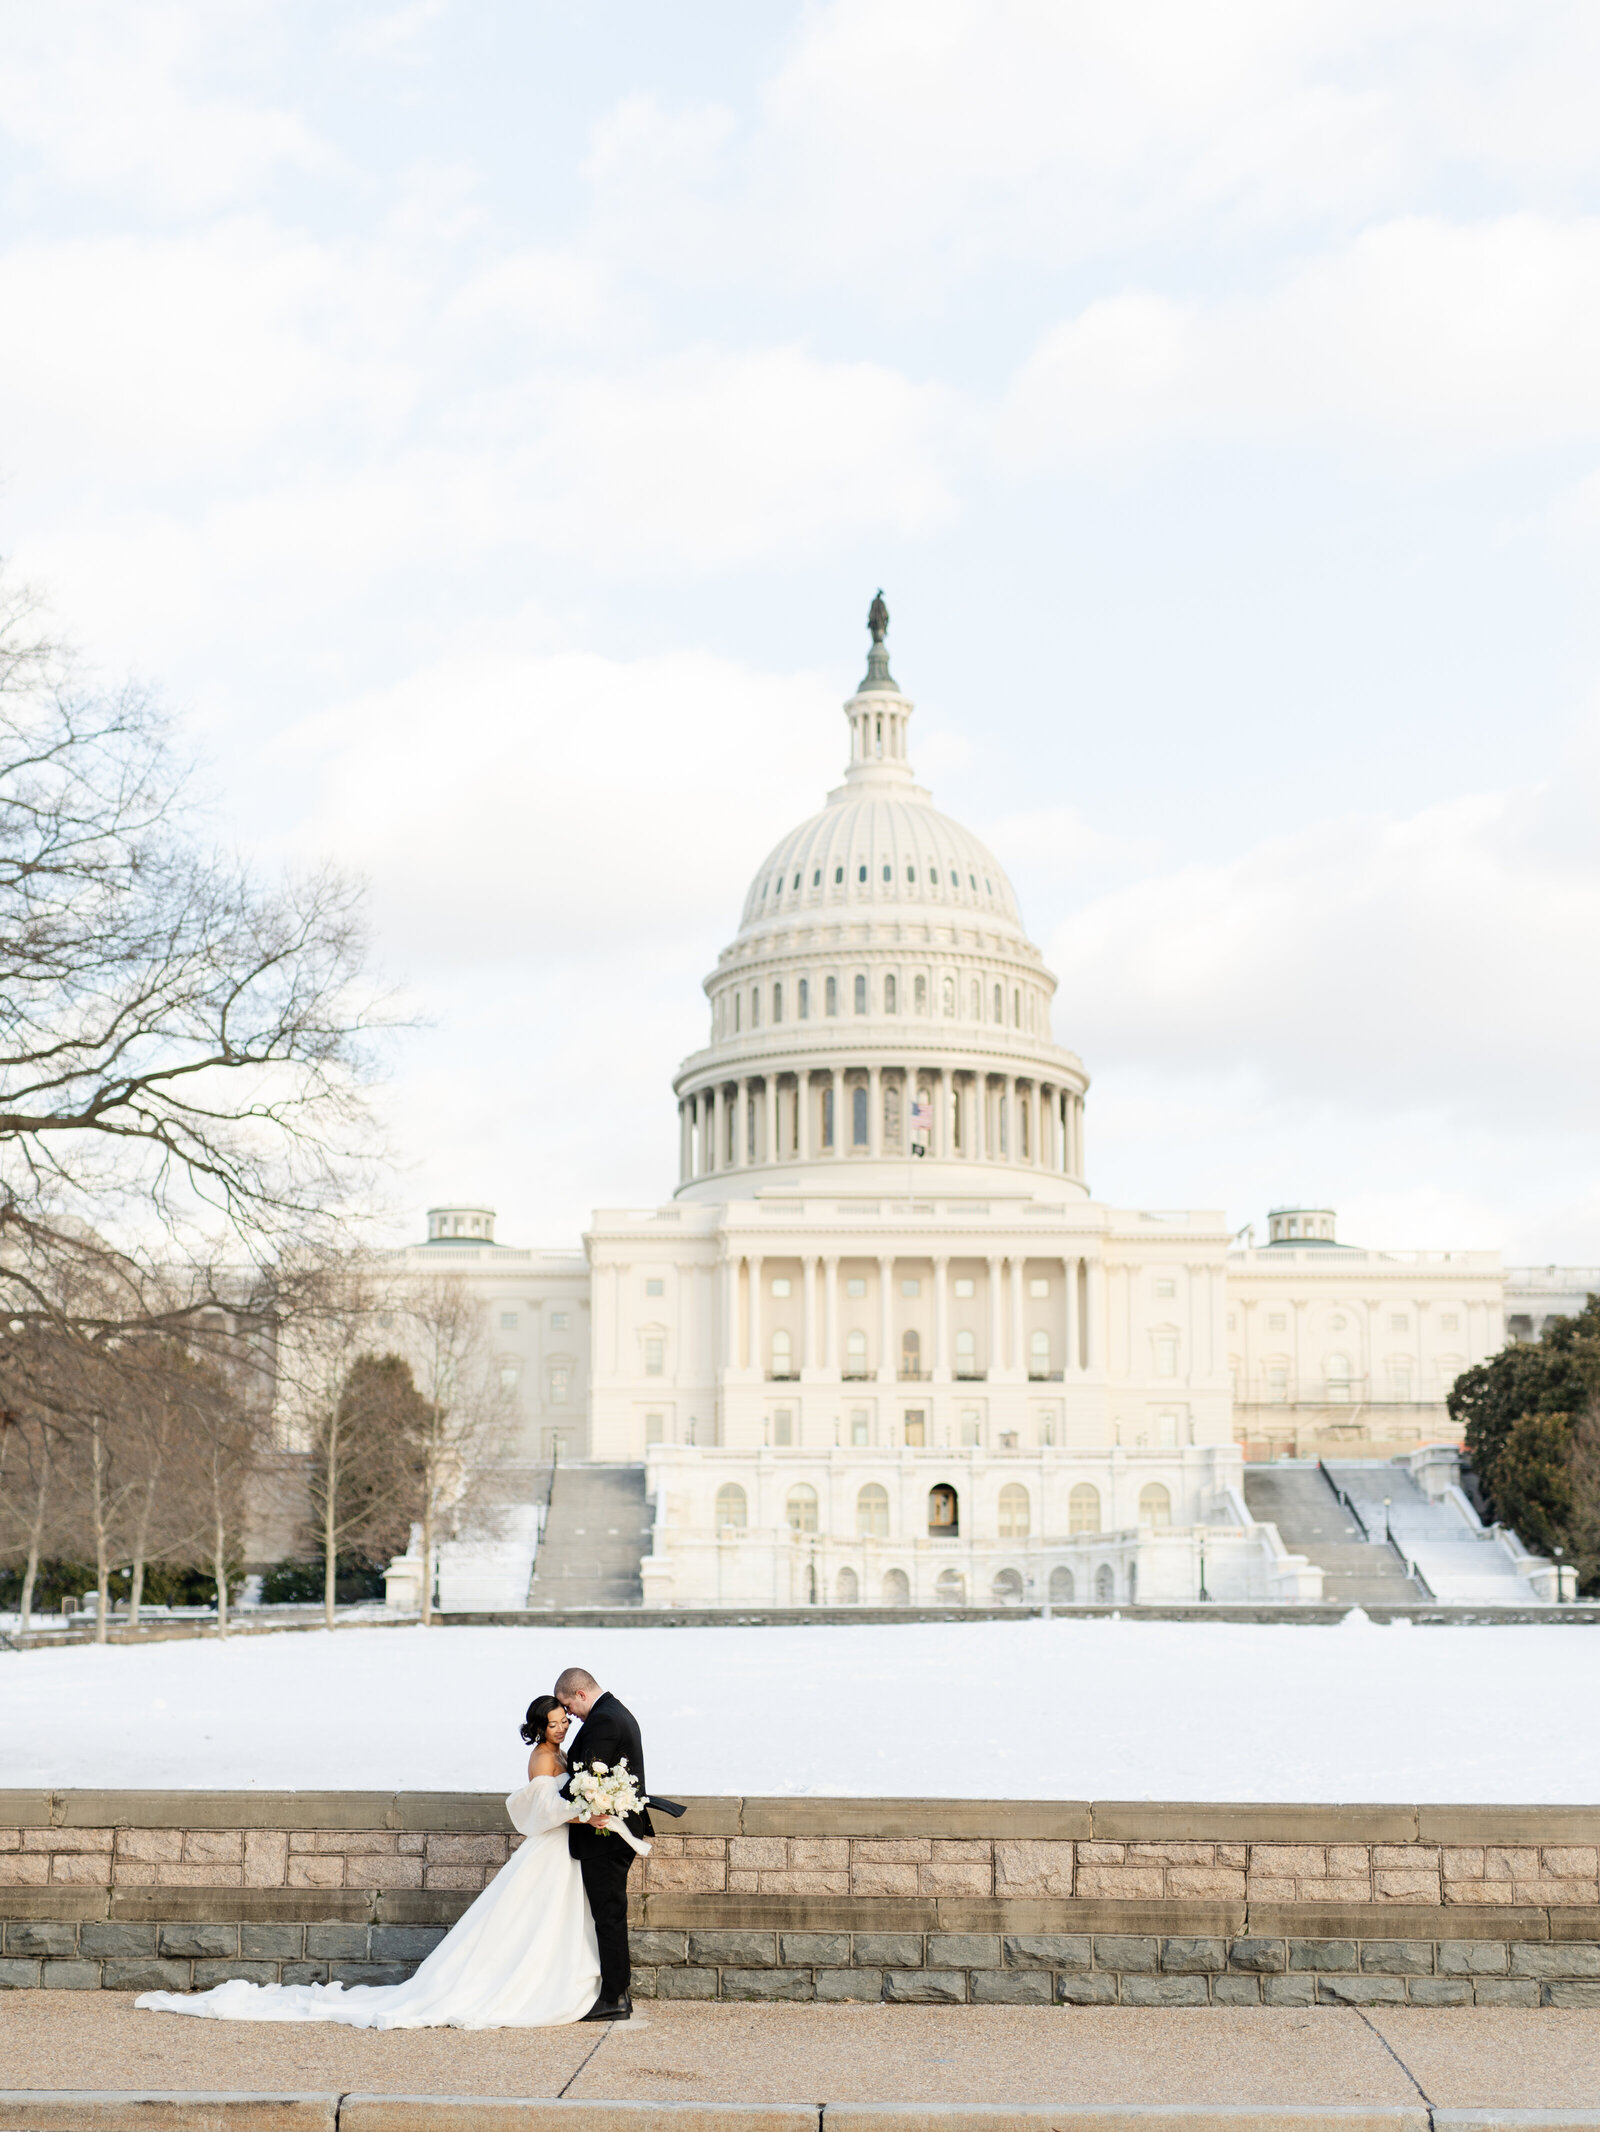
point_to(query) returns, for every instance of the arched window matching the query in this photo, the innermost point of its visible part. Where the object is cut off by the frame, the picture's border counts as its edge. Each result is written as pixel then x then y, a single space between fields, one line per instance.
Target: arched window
pixel 1155 1506
pixel 861 995
pixel 999 1010
pixel 777 1003
pixel 872 1513
pixel 830 996
pixel 1337 1370
pixel 888 871
pixel 944 1512
pixel 733 1512
pixel 911 1353
pixel 1039 1355
pixel 949 1588
pixel 1105 1585
pixel 1083 1508
pixel 838 876
pixel 847 1588
pixel 1015 1520
pixel 782 1354
pixel 1024 1115
pixel 858 1115
pixel 1016 1009
pixel 738 1009
pixel 919 994
pixel 855 1357
pixel 827 1116
pixel 896 1588
pixel 977 1001
pixel 966 1353
pixel 891 994
pixel 802 1507
pixel 1062 1589
pixel 891 1114
pixel 755 1007
pixel 1007 1589
pixel 805 999
pixel 948 994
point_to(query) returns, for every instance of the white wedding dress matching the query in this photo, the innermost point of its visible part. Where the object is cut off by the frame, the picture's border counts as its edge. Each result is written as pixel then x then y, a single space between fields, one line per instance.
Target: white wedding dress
pixel 523 1956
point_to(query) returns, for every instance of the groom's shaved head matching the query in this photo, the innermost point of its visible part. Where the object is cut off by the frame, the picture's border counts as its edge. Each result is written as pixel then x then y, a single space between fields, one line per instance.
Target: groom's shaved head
pixel 575 1681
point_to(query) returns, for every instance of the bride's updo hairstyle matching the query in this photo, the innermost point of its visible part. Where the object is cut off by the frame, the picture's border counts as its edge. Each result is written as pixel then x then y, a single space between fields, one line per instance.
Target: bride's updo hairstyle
pixel 538 1717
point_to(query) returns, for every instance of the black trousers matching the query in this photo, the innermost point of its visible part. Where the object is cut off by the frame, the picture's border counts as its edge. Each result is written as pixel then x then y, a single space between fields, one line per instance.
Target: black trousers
pixel 605 1882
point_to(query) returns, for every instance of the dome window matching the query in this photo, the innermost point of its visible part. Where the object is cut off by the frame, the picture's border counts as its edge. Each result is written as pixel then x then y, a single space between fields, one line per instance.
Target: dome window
pixel 861 873
pixel 777 1003
pixel 999 1005
pixel 861 995
pixel 816 878
pixel 911 873
pixel 891 995
pixel 988 891
pixel 955 879
pixel 797 882
pixel 755 1007
pixel 830 996
pixel 919 994
pixel 886 871
pixel 972 882
pixel 805 999
pixel 838 875
pixel 764 887
pixel 858 1117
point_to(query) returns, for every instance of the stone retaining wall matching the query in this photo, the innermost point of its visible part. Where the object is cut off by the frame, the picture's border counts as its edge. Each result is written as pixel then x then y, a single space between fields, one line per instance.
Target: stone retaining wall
pixel 999 1902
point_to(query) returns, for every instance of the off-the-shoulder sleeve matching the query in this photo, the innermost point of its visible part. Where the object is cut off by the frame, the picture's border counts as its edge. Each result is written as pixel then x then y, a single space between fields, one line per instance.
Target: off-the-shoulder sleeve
pixel 538 1807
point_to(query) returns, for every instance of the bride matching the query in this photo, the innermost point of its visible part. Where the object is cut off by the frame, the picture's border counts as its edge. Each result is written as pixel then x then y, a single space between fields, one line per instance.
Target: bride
pixel 523 1956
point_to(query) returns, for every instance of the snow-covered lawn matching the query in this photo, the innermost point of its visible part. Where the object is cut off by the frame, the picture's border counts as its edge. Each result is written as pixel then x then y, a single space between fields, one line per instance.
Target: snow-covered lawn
pixel 1031 1709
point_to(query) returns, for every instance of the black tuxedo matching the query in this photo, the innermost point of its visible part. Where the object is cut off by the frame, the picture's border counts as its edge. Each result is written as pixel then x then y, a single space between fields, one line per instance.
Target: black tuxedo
pixel 609 1734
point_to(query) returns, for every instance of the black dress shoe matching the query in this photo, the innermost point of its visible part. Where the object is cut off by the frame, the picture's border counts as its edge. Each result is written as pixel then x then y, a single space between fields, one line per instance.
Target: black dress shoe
pixel 611 2009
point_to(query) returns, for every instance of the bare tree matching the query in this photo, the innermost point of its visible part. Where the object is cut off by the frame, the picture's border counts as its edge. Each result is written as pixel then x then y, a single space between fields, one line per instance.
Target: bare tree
pixel 183 1048
pixel 461 1426
pixel 355 1411
pixel 27 1496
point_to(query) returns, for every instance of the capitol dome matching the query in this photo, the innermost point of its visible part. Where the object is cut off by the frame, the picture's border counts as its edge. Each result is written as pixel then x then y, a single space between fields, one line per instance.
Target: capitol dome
pixel 881 1002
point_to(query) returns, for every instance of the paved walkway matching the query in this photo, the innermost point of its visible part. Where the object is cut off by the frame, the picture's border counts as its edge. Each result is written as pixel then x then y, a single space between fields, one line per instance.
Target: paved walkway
pixel 1449 2058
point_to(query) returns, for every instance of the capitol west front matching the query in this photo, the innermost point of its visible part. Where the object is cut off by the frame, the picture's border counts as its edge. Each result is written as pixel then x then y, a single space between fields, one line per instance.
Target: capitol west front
pixel 883 1347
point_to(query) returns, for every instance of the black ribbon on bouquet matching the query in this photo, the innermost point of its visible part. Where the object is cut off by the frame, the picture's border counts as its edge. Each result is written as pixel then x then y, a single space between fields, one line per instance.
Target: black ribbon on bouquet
pixel 665 1806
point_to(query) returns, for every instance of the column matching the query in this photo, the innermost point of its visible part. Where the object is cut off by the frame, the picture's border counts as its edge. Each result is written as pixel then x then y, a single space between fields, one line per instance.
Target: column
pixel 1069 1274
pixel 1094 1311
pixel 836 1088
pixel 830 1312
pixel 802 1115
pixel 886 1360
pixel 874 1111
pixel 719 1128
pixel 941 1318
pixel 995 1359
pixel 772 1119
pixel 808 1314
pixel 1019 1357
pixel 741 1123
pixel 758 1361
pixel 730 1312
pixel 683 1140
pixel 1010 1101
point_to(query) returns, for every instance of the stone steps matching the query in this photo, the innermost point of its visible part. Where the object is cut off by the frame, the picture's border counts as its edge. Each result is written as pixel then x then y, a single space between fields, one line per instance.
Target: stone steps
pixel 595 1536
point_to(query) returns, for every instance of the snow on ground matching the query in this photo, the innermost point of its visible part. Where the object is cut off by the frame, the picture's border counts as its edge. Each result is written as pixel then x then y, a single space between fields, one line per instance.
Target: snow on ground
pixel 1062 1709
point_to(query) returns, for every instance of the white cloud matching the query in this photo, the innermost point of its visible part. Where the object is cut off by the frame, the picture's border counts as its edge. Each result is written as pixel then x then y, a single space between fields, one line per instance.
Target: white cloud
pixel 1448 342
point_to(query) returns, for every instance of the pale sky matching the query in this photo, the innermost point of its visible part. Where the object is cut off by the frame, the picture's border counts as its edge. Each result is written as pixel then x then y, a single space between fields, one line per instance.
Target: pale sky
pixel 486 425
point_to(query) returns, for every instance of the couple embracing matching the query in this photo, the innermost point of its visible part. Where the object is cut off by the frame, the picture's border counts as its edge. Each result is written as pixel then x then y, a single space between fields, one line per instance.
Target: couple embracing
pixel 547 1941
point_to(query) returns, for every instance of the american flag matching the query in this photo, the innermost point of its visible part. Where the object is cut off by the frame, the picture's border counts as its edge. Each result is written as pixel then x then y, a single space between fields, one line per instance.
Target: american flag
pixel 922 1117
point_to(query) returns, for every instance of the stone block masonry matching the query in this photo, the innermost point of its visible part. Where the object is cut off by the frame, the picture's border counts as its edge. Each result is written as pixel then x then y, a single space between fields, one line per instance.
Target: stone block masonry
pixel 1008 1902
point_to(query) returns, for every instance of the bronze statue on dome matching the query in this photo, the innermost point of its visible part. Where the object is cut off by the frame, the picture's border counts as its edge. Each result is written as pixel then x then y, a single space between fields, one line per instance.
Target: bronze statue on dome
pixel 878 617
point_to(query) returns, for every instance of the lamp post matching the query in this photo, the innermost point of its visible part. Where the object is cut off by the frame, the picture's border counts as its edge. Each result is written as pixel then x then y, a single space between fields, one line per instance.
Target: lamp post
pixel 1204 1594
pixel 1388 1535
pixel 1561 1580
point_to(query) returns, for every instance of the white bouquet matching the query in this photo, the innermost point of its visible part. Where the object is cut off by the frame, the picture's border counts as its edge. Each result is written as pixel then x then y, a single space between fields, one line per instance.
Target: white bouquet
pixel 606 1794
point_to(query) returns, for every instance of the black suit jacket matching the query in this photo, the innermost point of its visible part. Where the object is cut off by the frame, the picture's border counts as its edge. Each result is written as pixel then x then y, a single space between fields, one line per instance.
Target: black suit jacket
pixel 608 1734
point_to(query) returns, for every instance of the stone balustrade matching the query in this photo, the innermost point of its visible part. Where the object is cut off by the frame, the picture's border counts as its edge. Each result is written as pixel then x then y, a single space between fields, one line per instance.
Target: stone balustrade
pixel 1010 1902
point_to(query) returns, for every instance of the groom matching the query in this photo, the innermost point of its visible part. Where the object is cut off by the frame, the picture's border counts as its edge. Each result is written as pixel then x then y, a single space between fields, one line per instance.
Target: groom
pixel 607 1733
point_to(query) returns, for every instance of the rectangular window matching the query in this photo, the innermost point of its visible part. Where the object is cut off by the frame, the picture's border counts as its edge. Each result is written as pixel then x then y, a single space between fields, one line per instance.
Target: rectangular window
pixel 1399 1381
pixel 916 1427
pixel 1167 1431
pixel 655 1287
pixel 1037 1288
pixel 1448 1322
pixel 966 1286
pixel 1399 1325
pixel 558 1321
pixel 508 1321
pixel 783 1426
pixel 855 1285
pixel 780 1286
pixel 971 1427
pixel 1166 1288
pixel 508 1376
pixel 560 1386
pixel 654 1428
pixel 860 1425
pixel 1277 1323
pixel 1166 1357
pixel 655 1355
pixel 911 1288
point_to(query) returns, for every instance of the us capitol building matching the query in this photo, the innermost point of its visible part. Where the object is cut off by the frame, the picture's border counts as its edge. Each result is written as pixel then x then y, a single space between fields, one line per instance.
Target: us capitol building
pixel 884 1346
